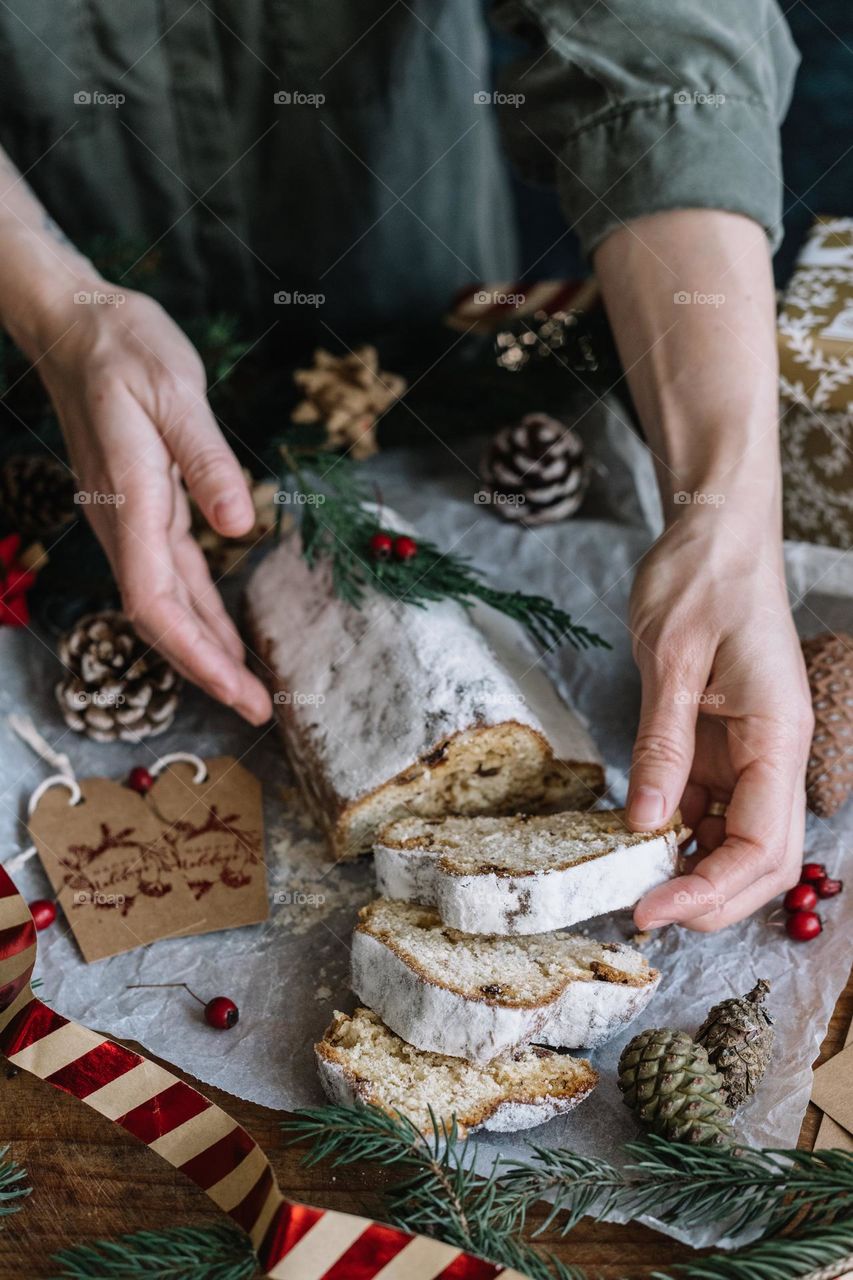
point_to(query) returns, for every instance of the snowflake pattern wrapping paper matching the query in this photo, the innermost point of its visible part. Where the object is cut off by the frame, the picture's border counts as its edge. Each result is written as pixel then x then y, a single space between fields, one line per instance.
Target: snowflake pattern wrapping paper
pixel 816 382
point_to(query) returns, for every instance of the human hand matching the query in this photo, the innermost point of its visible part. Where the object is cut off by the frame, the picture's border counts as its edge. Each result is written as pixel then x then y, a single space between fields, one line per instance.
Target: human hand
pixel 726 716
pixel 129 391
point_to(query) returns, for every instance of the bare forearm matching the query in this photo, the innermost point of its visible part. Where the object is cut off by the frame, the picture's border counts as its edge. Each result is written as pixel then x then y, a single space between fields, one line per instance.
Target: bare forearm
pixel 690 297
pixel 40 269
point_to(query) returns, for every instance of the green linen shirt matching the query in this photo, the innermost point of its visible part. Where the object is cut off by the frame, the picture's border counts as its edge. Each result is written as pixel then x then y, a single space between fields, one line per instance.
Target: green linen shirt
pixel 349 150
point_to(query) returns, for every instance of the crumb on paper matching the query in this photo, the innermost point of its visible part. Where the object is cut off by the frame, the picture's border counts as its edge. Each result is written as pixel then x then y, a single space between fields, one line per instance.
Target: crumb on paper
pixel 642 937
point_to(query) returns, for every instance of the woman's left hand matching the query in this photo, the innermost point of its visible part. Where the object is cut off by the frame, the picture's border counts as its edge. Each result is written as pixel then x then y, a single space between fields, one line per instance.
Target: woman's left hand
pixel 726 716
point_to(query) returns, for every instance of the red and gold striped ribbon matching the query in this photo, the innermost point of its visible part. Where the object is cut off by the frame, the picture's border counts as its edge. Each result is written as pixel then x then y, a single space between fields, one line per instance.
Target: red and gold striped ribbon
pixel 293 1241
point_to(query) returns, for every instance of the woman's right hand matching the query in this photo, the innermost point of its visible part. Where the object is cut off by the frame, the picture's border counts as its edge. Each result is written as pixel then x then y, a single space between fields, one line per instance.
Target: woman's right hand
pixel 129 390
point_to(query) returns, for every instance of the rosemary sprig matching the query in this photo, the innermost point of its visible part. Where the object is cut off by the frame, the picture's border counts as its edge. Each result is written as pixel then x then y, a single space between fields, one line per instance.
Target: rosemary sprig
pixel 337 527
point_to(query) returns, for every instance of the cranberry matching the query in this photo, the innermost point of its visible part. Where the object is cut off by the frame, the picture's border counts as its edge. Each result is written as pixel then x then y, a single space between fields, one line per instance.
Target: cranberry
pixel 801 898
pixel 826 888
pixel 222 1013
pixel 405 548
pixel 381 545
pixel 43 912
pixel 812 871
pixel 802 926
pixel 139 779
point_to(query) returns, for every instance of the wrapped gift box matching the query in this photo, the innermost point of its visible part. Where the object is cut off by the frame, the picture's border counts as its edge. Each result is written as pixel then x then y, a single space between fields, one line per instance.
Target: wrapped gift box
pixel 815 330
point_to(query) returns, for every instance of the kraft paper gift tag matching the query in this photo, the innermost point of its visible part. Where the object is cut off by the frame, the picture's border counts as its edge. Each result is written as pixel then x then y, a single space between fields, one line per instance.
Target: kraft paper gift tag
pixel 129 869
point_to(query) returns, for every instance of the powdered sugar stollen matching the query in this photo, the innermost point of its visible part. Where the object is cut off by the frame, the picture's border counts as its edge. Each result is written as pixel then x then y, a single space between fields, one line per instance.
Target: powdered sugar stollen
pixel 276 971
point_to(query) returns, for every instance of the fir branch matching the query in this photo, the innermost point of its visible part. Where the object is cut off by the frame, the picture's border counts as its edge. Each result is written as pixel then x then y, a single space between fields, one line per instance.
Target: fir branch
pixel 218 1252
pixel 808 1195
pixel 13 1184
pixel 441 1196
pixel 777 1258
pixel 337 526
pixel 679 1183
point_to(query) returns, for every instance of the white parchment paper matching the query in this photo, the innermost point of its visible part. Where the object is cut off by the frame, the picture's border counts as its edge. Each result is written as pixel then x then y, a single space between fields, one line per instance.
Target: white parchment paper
pixel 290 973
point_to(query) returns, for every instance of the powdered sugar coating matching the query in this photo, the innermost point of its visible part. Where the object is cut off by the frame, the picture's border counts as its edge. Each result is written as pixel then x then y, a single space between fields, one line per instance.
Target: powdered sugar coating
pixel 448 1015
pixel 378 687
pixel 551 882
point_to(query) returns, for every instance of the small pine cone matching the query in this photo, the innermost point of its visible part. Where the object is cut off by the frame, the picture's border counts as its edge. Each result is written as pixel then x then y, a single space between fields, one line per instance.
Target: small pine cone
pixel 667 1081
pixel 535 472
pixel 116 687
pixel 829 775
pixel 36 494
pixel 738 1036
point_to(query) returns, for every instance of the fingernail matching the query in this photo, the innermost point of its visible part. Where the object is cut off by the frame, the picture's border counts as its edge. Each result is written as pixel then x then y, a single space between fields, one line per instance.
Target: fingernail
pixel 648 807
pixel 656 924
pixel 228 511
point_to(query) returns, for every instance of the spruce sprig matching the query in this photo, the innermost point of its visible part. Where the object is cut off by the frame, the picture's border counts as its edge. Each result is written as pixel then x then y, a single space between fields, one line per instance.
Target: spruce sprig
pixel 337 526
pixel 807 1195
pixel 441 1195
pixel 13 1184
pixel 679 1183
pixel 772 1258
pixel 218 1252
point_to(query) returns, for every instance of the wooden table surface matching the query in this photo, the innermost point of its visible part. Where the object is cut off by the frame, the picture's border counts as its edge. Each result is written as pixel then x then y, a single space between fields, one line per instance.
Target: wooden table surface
pixel 91 1180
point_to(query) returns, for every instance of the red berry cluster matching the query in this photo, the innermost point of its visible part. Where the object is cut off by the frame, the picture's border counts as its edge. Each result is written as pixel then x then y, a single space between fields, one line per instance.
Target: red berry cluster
pixel 383 546
pixel 803 922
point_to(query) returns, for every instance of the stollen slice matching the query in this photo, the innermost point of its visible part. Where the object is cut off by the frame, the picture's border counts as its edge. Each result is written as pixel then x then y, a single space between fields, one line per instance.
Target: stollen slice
pixel 360 1060
pixel 478 996
pixel 524 874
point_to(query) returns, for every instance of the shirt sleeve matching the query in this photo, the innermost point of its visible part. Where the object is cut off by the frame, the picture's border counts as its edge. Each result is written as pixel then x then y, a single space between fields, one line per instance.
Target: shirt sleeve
pixel 637 106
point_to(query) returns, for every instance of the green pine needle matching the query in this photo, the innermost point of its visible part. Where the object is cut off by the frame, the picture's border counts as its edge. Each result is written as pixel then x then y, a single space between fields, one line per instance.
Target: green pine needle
pixel 779 1258
pixel 441 1195
pixel 680 1183
pixel 219 1252
pixel 13 1184
pixel 337 527
pixel 808 1195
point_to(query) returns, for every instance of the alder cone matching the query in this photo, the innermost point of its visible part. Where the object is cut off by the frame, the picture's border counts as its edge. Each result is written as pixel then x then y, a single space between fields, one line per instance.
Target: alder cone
pixel 116 686
pixel 829 773
pixel 667 1080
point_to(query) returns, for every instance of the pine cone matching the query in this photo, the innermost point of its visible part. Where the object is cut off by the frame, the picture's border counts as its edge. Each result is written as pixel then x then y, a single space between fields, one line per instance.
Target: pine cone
pixel 535 471
pixel 829 775
pixel 666 1078
pixel 116 686
pixel 36 494
pixel 738 1037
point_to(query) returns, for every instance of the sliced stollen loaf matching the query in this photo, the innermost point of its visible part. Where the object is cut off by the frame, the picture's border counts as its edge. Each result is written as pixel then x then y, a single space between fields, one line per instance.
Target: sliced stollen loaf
pixel 359 1059
pixel 523 874
pixel 479 996
pixel 391 710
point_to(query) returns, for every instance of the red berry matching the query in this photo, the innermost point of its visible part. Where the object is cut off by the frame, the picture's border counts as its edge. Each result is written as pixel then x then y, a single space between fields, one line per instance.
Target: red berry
pixel 381 546
pixel 802 926
pixel 139 779
pixel 405 548
pixel 812 871
pixel 43 912
pixel 222 1013
pixel 801 898
pixel 826 888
